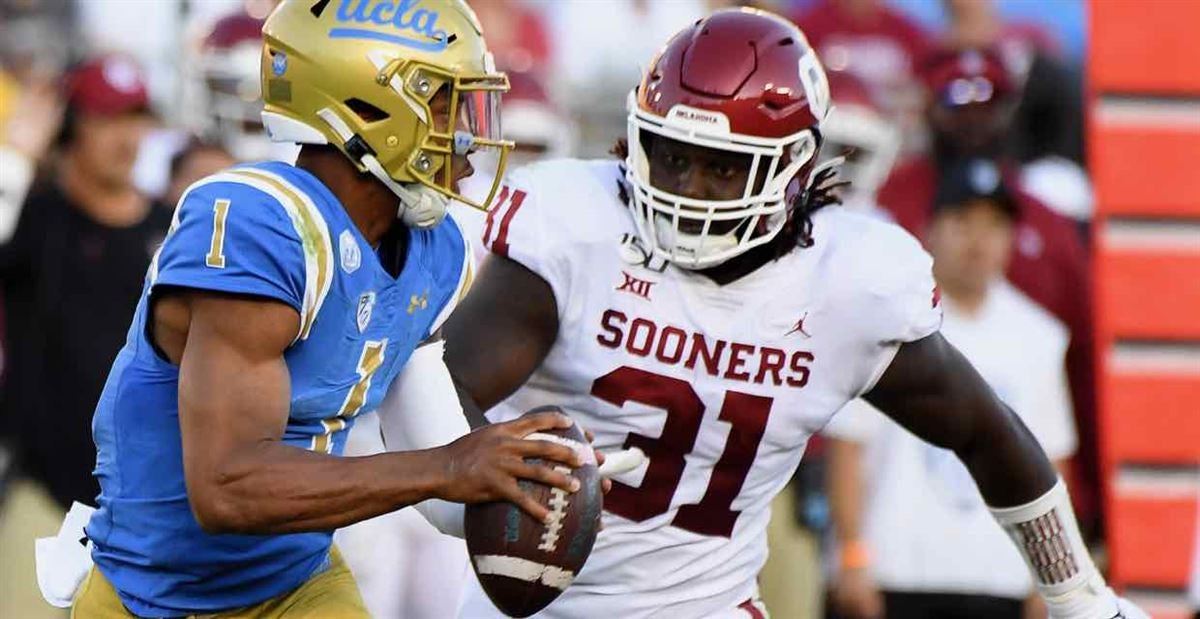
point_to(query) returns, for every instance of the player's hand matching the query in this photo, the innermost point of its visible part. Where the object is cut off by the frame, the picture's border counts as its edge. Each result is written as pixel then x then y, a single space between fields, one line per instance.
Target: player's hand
pixel 486 464
pixel 856 596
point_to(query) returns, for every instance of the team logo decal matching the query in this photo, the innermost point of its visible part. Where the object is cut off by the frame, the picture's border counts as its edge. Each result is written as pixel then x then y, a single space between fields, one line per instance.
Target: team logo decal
pixel 366 305
pixel 635 286
pixel 351 254
pixel 799 327
pixel 411 24
pixel 278 63
pixel 418 302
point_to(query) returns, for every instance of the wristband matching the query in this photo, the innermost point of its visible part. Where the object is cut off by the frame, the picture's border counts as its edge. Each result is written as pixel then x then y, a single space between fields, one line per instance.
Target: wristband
pixel 855 555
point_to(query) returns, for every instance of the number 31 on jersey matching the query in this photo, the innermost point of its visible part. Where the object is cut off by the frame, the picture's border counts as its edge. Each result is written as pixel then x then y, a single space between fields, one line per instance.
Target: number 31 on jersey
pixel 747 416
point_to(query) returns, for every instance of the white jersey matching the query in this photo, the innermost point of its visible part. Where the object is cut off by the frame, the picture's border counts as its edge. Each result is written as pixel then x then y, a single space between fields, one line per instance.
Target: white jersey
pixel 720 386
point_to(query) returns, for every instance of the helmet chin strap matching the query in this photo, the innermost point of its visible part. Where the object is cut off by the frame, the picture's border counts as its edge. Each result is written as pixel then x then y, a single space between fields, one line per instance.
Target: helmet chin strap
pixel 420 206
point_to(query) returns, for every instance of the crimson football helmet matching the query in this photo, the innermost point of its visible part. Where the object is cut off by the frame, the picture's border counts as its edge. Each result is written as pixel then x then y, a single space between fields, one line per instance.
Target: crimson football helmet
pixel 224 94
pixel 743 81
pixel 857 129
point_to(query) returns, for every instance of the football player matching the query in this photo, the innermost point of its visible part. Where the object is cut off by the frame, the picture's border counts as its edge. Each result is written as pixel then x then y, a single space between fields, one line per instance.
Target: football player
pixel 284 301
pixel 701 301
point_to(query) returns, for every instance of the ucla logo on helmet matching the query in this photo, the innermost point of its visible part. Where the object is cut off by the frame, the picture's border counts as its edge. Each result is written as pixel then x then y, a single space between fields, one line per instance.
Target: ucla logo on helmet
pixel 405 16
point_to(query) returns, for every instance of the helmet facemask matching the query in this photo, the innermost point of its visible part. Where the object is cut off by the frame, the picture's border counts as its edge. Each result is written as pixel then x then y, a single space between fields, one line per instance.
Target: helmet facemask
pixel 695 233
pixel 460 119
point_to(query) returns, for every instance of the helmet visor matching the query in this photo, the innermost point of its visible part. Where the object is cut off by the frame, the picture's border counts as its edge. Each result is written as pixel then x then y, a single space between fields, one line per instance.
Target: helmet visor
pixel 473 147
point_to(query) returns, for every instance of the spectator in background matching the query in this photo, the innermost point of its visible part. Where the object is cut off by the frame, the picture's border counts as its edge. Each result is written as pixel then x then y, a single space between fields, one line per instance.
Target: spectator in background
pixel 193 162
pixel 969 108
pixel 1047 127
pixel 600 49
pixel 517 36
pixel 71 272
pixel 857 130
pixel 223 91
pixel 877 44
pixel 915 537
pixel 29 118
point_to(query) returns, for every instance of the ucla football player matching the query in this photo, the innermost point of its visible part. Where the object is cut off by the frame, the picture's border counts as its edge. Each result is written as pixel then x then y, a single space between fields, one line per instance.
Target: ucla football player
pixel 284 302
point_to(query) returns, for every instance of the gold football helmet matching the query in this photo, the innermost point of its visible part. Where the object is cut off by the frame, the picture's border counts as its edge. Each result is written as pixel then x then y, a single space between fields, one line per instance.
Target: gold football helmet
pixel 362 74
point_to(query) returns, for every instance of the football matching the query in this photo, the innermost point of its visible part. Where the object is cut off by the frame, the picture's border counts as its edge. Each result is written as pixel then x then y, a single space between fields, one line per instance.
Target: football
pixel 523 564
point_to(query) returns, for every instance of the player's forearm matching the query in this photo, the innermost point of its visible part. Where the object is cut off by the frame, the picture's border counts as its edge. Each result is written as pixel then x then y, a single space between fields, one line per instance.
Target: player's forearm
pixel 1005 460
pixel 276 488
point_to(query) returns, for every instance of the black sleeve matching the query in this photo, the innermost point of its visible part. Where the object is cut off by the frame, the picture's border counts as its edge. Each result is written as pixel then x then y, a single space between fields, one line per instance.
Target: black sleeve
pixel 16 254
pixel 1049 118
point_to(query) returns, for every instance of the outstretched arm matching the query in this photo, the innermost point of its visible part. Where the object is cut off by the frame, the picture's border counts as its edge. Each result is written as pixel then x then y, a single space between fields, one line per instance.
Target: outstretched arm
pixel 933 391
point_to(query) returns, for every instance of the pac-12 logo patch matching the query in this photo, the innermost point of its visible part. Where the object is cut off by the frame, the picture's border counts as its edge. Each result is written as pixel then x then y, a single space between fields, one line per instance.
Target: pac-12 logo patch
pixel 350 252
pixel 366 305
pixel 278 63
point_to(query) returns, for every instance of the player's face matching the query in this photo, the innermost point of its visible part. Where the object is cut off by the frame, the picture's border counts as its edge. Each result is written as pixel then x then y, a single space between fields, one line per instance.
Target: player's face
pixel 701 173
pixel 970 245
pixel 439 105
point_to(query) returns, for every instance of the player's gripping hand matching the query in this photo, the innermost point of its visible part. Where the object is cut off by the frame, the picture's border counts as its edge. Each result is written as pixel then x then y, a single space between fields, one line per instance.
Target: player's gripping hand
pixel 486 464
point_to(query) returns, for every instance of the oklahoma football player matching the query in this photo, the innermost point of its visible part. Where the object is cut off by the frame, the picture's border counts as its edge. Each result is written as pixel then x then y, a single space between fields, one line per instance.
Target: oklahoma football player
pixel 698 301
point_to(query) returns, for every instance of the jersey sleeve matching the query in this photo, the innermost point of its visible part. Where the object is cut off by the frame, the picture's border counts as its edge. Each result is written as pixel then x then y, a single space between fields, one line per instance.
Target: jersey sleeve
pixel 229 237
pixel 857 422
pixel 522 227
pixel 899 301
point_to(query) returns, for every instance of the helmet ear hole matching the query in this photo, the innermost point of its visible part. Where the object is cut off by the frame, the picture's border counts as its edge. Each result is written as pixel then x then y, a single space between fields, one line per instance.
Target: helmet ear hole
pixel 367 112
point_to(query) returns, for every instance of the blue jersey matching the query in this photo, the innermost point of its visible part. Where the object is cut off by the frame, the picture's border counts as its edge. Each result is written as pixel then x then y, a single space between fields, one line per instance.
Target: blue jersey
pixel 268 230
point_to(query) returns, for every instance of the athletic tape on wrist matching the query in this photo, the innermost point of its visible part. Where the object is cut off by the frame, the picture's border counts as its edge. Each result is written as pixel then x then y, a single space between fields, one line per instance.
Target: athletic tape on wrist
pixel 1047 536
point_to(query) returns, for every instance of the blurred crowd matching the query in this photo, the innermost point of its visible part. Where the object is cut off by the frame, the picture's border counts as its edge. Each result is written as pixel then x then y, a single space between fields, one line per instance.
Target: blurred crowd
pixel 956 122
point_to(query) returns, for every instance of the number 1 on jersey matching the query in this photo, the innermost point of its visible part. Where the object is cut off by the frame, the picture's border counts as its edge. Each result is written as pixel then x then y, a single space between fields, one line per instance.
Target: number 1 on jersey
pixel 216 250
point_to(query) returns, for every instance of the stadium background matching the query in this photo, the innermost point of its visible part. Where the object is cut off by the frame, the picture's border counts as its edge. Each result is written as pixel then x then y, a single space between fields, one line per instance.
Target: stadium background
pixel 1133 64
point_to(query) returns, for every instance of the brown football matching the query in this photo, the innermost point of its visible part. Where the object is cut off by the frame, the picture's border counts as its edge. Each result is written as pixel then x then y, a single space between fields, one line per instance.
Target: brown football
pixel 523 564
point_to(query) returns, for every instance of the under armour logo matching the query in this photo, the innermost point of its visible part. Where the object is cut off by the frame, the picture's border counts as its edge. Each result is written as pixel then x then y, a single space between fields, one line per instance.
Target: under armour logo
pixel 640 287
pixel 799 328
pixel 418 302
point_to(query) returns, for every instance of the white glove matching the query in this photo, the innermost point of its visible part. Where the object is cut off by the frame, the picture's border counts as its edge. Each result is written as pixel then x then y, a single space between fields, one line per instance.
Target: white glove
pixel 619 462
pixel 62 561
pixel 1096 600
pixel 1128 610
